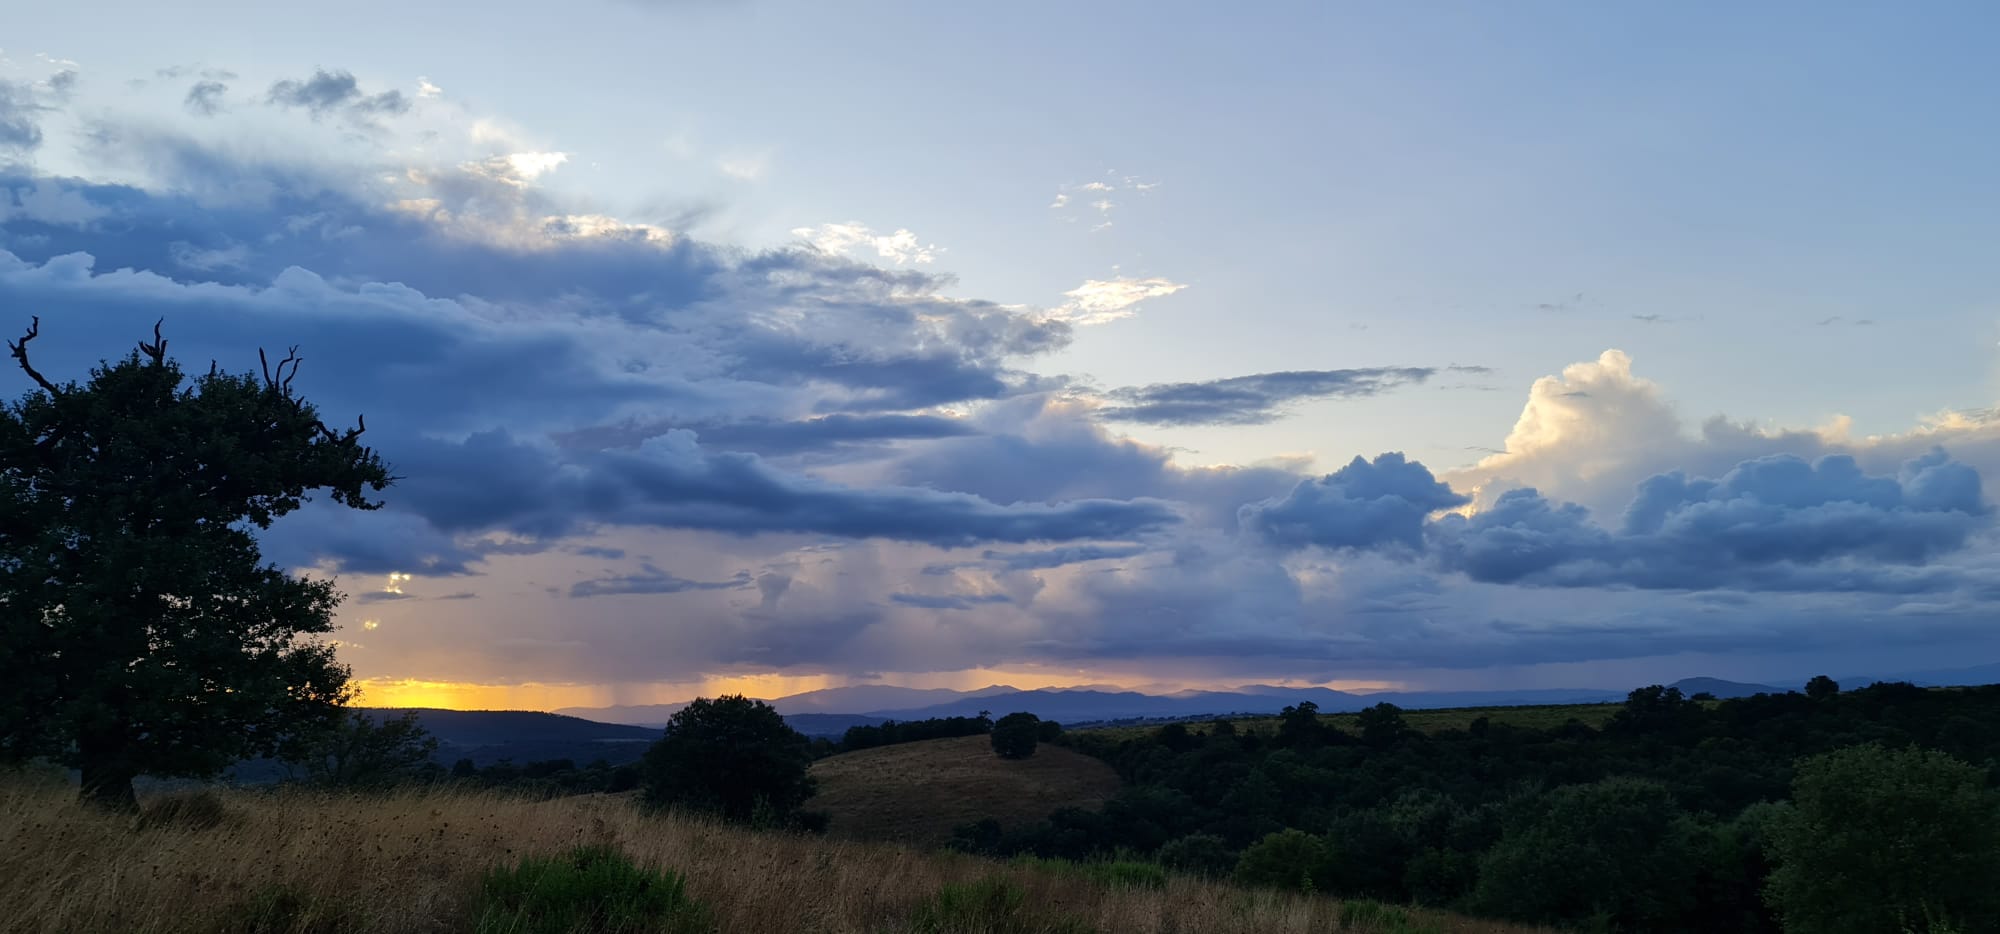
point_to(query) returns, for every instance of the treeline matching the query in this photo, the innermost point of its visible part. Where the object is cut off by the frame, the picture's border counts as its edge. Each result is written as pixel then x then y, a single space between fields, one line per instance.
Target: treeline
pixel 892 732
pixel 1870 810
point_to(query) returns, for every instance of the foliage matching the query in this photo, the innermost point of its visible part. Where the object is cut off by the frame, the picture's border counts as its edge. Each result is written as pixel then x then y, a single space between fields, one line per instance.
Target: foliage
pixel 1610 853
pixel 1366 915
pixel 589 890
pixel 1201 854
pixel 1879 839
pixel 1015 735
pixel 1289 859
pixel 1113 873
pixel 732 756
pixel 360 751
pixel 141 630
pixel 892 732
pixel 1655 821
pixel 1822 687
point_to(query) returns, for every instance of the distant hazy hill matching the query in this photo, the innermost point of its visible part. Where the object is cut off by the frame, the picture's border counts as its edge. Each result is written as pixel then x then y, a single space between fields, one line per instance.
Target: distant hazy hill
pixel 1725 689
pixel 856 700
pixel 1084 706
pixel 487 736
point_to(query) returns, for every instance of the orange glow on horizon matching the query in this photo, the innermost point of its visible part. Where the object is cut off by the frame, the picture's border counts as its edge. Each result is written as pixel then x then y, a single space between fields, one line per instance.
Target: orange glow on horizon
pixel 463 695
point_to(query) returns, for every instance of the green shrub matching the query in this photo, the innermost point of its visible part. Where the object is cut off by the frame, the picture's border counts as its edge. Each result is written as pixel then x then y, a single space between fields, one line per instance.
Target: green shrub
pixel 191 810
pixel 1202 854
pixel 284 910
pixel 1289 859
pixel 589 890
pixel 989 906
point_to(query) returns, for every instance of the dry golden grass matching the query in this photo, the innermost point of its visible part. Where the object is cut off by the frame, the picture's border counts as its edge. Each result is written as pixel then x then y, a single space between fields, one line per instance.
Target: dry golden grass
pixel 410 862
pixel 917 792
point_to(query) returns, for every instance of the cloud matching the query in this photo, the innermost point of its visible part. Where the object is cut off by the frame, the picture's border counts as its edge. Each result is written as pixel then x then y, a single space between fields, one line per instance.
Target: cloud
pixel 1098 301
pixel 204 98
pixel 493 482
pixel 948 601
pixel 335 92
pixel 1250 400
pixel 1763 525
pixel 20 102
pixel 653 581
pixel 1364 505
pixel 852 237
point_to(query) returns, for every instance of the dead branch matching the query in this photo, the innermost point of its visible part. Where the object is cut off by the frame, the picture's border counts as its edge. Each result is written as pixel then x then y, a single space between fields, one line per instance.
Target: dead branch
pixel 278 379
pixel 157 350
pixel 20 351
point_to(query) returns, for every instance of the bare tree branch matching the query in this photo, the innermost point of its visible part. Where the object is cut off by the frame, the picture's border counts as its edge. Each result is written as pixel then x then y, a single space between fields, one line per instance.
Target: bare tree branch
pixel 157 350
pixel 20 351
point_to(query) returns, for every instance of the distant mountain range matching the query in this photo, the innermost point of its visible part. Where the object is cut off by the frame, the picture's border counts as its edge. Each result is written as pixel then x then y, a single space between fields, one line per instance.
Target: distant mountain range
pixel 831 711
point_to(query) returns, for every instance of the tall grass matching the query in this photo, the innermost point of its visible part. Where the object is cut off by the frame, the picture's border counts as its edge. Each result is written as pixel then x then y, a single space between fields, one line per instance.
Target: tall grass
pixel 299 861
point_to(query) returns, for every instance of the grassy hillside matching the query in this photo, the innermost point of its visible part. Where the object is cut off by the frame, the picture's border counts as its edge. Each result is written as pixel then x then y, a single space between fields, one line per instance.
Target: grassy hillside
pixel 411 863
pixel 917 792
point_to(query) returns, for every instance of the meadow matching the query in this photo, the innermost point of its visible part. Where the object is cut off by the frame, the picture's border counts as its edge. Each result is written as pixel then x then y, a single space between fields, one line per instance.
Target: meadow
pixel 294 860
pixel 918 792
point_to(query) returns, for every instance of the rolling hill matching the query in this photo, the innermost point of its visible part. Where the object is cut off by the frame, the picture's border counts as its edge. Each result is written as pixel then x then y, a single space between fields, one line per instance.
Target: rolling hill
pixel 917 792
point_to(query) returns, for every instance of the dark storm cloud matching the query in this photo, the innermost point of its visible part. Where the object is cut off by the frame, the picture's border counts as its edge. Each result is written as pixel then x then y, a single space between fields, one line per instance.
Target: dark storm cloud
pixel 1058 557
pixel 948 601
pixel 493 482
pixel 1363 505
pixel 1773 523
pixel 1251 400
pixel 652 580
pixel 771 436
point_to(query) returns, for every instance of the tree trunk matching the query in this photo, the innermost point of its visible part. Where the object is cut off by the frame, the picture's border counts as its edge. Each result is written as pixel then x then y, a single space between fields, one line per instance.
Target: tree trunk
pixel 107 779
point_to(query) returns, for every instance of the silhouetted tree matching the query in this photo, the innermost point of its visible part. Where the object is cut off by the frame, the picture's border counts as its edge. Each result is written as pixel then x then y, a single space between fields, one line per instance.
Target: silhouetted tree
pixel 1015 735
pixel 1382 724
pixel 733 756
pixel 142 631
pixel 364 751
pixel 1822 687
pixel 1299 727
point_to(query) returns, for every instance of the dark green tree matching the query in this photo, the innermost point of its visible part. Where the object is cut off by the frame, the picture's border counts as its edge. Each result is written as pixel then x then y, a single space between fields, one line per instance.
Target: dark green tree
pixel 1885 840
pixel 1611 854
pixel 1382 724
pixel 732 756
pixel 1014 735
pixel 142 630
pixel 1822 687
pixel 368 750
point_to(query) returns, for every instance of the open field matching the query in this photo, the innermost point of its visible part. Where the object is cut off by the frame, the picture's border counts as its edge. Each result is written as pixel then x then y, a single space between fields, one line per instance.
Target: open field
pixel 917 792
pixel 1541 717
pixel 410 862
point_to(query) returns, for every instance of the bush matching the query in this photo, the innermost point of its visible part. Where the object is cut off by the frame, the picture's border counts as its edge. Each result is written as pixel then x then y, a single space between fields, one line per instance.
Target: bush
pixel 1289 859
pixel 1612 853
pixel 1202 854
pixel 1881 840
pixel 190 810
pixel 989 906
pixel 589 890
pixel 1015 735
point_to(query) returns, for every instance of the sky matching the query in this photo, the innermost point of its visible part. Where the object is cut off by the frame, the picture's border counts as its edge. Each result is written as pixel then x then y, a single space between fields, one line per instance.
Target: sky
pixel 760 346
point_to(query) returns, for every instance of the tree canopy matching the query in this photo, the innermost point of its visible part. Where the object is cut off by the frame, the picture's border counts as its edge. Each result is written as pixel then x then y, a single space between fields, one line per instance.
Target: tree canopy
pixel 141 630
pixel 733 756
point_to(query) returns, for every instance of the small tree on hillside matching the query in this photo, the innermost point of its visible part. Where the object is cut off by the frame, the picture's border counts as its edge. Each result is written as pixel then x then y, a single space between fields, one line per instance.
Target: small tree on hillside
pixel 732 756
pixel 1014 735
pixel 368 750
pixel 140 629
pixel 1822 687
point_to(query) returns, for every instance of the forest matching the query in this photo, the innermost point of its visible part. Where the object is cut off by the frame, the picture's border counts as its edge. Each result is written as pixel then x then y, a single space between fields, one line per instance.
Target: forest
pixel 1861 810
